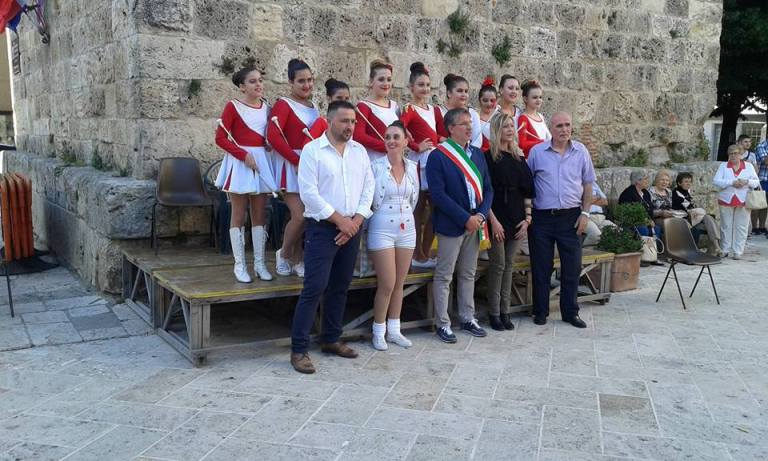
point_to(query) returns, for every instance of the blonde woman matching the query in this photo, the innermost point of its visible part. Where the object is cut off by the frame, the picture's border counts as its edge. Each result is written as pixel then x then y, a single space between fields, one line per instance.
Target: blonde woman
pixel 734 178
pixel 510 214
pixel 392 234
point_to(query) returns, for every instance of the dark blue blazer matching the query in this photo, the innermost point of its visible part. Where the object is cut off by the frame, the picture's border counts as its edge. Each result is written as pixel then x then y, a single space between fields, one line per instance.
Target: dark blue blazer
pixel 448 191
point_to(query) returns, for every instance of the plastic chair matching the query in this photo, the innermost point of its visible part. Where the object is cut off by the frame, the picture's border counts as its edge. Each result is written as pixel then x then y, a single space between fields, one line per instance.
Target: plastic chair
pixel 180 184
pixel 681 248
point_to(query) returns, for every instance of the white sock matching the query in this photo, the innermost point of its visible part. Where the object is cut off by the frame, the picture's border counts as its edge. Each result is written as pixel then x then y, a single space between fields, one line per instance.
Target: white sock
pixel 379 329
pixel 393 326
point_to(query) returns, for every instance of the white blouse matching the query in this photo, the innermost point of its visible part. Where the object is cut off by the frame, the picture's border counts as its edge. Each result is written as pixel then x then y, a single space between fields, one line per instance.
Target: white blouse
pixel 724 178
pixel 381 173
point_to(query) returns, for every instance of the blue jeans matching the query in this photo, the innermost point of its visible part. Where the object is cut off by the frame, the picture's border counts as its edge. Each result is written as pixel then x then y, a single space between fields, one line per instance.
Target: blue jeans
pixel 545 231
pixel 645 230
pixel 322 257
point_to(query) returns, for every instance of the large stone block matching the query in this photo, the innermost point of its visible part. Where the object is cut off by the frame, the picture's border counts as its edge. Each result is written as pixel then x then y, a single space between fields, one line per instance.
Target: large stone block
pixel 221 19
pixel 266 22
pixel 394 31
pixel 646 49
pixel 178 57
pixel 541 43
pixel 570 16
pixel 676 8
pixel 173 15
pixel 438 8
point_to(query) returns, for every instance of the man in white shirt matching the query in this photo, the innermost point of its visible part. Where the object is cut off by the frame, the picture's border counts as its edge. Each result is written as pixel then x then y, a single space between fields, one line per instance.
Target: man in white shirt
pixel 336 185
pixel 597 219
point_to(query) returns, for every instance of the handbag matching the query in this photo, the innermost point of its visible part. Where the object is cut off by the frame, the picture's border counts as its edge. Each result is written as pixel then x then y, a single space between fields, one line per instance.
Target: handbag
pixel 696 215
pixel 650 249
pixel 756 199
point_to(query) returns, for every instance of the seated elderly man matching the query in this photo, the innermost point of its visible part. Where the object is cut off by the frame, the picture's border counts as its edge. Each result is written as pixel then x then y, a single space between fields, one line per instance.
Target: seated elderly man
pixel 597 219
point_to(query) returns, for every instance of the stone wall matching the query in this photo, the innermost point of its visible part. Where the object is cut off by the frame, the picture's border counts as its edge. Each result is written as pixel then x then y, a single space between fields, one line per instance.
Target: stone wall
pixel 126 82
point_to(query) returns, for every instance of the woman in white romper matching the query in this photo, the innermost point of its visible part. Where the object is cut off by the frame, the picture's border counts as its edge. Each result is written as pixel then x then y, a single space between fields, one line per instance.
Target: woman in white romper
pixel 246 173
pixel 392 234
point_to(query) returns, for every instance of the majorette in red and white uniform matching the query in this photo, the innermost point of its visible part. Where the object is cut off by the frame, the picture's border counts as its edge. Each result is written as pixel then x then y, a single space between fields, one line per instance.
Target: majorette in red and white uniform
pixel 422 123
pixel 531 132
pixel 247 125
pixel 477 131
pixel 293 118
pixel 370 133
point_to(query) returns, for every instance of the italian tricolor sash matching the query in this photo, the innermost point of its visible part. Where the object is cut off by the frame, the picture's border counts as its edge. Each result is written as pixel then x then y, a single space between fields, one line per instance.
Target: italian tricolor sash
pixel 464 163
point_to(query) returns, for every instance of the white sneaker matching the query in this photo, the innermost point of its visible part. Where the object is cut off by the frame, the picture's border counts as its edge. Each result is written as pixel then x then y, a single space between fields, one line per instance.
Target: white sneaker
pixel 282 266
pixel 379 343
pixel 428 264
pixel 736 256
pixel 399 339
pixel 298 269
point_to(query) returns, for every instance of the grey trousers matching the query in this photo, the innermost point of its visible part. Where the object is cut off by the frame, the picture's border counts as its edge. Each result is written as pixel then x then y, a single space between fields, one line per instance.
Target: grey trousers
pixel 502 256
pixel 457 254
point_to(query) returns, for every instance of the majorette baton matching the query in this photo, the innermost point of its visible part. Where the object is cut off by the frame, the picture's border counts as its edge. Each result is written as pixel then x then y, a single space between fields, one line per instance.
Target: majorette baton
pixel 369 124
pixel 269 181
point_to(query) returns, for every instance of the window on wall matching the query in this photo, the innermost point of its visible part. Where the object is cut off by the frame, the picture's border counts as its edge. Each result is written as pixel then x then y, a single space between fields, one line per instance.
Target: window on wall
pixel 753 130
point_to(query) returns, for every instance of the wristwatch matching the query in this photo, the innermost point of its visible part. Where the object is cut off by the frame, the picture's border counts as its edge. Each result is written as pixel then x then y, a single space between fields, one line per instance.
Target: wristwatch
pixel 585 213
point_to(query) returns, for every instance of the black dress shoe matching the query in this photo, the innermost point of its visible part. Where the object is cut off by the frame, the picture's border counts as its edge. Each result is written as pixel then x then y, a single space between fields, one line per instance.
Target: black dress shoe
pixel 507 322
pixel 540 320
pixel 496 322
pixel 657 263
pixel 576 321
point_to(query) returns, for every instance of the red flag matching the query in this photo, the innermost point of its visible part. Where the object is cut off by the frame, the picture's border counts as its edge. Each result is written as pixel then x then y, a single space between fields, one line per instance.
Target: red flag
pixel 9 9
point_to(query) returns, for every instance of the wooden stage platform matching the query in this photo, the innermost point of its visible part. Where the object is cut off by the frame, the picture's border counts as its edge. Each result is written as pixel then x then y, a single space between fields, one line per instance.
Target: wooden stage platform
pixel 189 283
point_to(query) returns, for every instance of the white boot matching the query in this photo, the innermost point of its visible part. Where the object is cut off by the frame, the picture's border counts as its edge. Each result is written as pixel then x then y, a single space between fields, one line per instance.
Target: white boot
pixel 394 335
pixel 238 251
pixel 259 235
pixel 379 343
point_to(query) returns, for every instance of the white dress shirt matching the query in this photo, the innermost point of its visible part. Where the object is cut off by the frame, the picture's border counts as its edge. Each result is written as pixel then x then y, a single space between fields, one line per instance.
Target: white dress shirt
pixel 330 181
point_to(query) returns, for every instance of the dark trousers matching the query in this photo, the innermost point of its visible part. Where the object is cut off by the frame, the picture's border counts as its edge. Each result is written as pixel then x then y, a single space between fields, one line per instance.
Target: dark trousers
pixel 322 257
pixel 545 231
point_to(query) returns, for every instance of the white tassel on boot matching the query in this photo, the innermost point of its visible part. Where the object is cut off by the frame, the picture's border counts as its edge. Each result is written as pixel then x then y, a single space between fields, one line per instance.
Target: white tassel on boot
pixel 238 252
pixel 259 234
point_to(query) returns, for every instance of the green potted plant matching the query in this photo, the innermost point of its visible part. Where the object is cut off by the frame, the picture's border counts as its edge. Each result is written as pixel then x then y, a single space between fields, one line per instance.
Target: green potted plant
pixel 626 244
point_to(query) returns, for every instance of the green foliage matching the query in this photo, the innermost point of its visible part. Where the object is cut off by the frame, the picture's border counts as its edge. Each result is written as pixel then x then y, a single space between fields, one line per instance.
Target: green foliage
pixel 442 46
pixel 637 159
pixel 502 51
pixel 227 66
pixel 70 159
pixel 702 149
pixel 194 88
pixel 458 22
pixel 454 50
pixel 97 162
pixel 619 241
pixel 630 215
pixel 616 146
pixel 123 172
pixel 742 75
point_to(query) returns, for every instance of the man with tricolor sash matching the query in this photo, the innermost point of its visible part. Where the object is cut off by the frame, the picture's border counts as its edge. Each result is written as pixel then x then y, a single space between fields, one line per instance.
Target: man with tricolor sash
pixel 461 194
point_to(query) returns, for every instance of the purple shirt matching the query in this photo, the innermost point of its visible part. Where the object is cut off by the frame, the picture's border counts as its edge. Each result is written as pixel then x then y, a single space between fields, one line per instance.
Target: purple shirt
pixel 559 179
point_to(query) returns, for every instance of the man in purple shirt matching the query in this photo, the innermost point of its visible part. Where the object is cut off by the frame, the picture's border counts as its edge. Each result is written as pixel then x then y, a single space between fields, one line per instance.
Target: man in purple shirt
pixel 562 176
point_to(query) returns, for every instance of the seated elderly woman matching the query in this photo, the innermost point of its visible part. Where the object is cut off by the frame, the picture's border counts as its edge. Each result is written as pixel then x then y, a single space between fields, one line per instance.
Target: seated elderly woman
pixel 637 192
pixel 661 198
pixel 700 221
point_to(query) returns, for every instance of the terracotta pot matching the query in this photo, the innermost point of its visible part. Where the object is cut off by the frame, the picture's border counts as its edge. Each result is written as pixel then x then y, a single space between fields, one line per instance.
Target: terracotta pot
pixel 625 272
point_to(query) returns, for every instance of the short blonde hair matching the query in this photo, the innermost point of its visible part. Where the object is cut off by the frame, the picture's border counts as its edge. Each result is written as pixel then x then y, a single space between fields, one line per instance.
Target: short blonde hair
pixel 661 174
pixel 735 149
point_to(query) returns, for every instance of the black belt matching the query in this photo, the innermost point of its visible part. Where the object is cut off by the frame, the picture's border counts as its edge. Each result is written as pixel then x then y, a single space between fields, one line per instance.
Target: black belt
pixel 557 211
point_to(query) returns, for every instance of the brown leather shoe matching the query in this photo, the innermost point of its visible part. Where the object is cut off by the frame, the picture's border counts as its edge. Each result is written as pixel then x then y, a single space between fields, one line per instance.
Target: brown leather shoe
pixel 340 349
pixel 302 363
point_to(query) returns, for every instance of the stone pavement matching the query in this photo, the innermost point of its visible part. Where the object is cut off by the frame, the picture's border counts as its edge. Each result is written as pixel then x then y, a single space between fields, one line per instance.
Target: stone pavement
pixel 644 381
pixel 54 307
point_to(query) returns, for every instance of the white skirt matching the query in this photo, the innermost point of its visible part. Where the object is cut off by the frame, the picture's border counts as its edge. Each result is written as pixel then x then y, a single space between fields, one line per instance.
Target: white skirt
pixel 235 177
pixel 286 173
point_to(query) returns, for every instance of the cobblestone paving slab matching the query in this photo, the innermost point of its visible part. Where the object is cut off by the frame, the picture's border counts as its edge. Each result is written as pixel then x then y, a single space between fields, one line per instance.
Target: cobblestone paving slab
pixel 644 381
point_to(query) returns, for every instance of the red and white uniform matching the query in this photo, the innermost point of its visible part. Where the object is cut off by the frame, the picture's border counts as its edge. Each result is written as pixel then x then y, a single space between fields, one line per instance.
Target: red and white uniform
pixel 485 127
pixel 371 136
pixel 247 125
pixel 531 132
pixel 293 118
pixel 477 127
pixel 423 123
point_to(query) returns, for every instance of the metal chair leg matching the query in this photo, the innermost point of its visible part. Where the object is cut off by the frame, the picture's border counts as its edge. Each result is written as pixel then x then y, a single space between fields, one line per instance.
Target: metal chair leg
pixel 665 281
pixel 682 299
pixel 697 281
pixel 10 294
pixel 717 298
pixel 154 227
